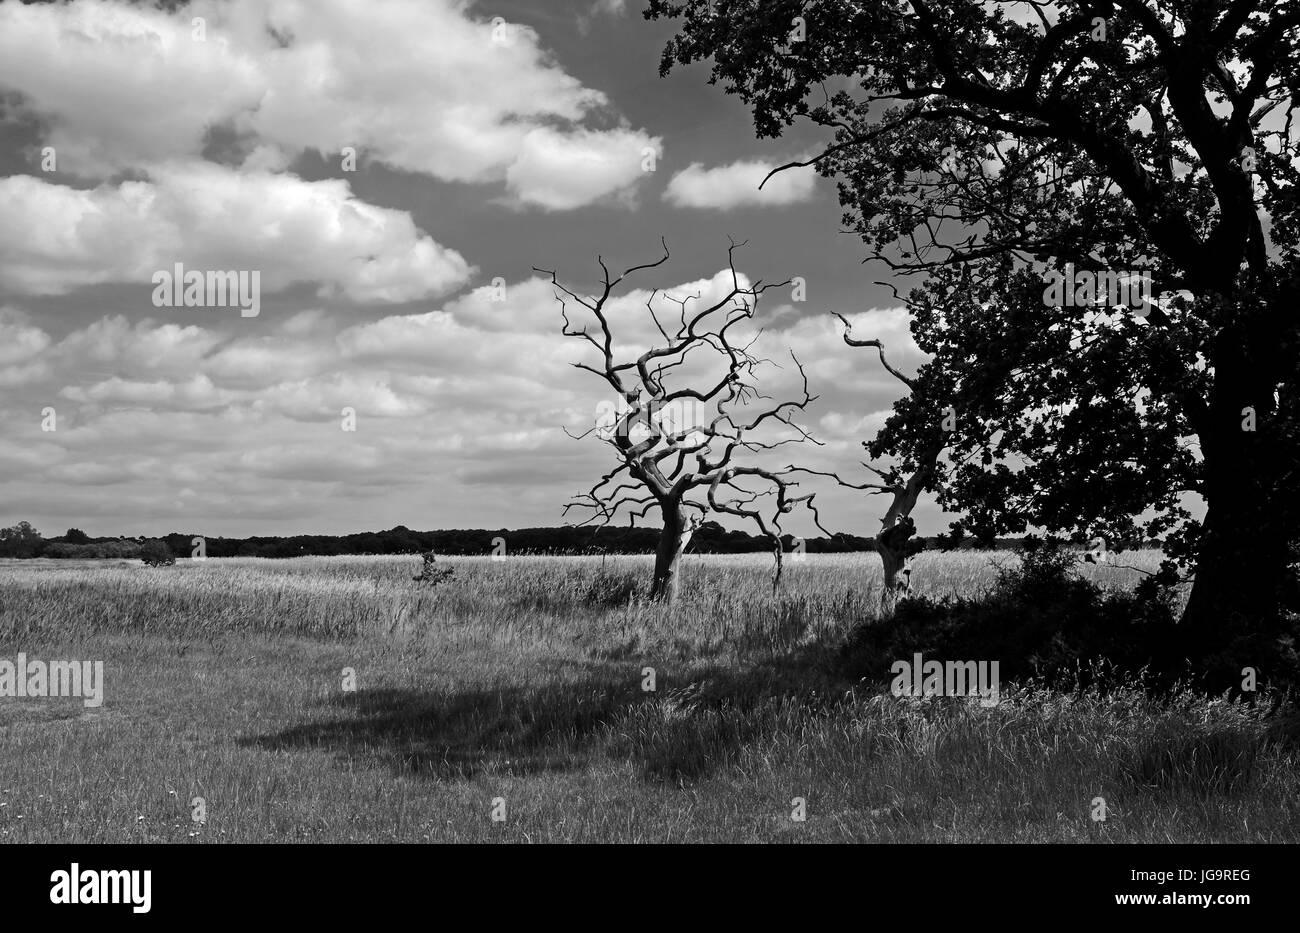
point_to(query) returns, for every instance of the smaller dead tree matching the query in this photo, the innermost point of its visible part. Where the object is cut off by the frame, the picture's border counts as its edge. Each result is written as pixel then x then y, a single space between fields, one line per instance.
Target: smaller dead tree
pixel 904 483
pixel 690 428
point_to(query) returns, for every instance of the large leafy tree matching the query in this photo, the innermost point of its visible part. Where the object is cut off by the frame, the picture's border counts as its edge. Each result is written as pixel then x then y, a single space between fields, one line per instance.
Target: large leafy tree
pixel 983 146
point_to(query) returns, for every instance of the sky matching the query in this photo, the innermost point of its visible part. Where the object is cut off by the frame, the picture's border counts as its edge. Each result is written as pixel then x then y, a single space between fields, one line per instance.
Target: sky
pixel 393 171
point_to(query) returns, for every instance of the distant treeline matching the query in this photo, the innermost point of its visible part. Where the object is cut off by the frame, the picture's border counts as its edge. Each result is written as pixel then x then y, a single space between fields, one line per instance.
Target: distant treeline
pixel 711 538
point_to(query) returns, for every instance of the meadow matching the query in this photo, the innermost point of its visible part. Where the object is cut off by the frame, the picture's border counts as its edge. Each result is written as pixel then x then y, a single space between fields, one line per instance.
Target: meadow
pixel 336 700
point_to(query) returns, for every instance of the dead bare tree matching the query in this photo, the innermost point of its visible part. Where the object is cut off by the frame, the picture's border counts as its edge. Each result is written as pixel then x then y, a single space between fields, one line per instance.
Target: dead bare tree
pixel 679 448
pixel 904 484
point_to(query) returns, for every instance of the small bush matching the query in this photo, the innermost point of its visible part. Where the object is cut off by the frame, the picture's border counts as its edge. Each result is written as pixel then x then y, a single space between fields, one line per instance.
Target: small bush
pixel 156 553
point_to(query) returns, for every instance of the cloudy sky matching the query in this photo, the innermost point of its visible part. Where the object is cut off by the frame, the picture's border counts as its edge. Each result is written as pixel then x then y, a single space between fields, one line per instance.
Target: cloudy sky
pixel 488 139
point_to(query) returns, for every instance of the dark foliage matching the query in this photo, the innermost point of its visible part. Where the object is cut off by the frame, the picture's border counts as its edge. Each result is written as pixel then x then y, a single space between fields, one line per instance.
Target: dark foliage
pixel 1042 620
pixel 96 550
pixel 21 540
pixel 712 538
pixel 155 553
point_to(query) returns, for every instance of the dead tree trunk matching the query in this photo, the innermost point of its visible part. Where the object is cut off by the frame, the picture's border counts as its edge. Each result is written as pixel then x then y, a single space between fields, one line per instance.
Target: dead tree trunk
pixel 679 525
pixel 892 545
pixel 894 542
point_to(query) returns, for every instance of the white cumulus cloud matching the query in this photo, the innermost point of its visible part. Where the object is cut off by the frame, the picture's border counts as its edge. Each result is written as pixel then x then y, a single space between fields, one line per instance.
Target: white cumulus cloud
pixel 424 86
pixel 206 216
pixel 736 185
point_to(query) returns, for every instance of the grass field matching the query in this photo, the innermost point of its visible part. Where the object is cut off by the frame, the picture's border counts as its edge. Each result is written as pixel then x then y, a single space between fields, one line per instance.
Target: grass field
pixel 518 685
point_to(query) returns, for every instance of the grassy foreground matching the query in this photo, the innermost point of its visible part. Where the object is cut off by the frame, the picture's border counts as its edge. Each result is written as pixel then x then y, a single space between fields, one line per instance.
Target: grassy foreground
pixel 517 686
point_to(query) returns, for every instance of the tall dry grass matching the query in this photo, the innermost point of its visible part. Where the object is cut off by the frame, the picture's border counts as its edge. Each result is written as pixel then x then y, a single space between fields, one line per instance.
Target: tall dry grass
pixel 523 679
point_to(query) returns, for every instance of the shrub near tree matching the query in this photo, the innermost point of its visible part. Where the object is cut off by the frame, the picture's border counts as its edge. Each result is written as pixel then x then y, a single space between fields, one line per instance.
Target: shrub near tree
pixel 1043 620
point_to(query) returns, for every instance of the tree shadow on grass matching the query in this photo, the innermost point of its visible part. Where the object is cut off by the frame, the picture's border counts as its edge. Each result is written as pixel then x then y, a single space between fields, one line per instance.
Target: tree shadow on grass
pixel 684 730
